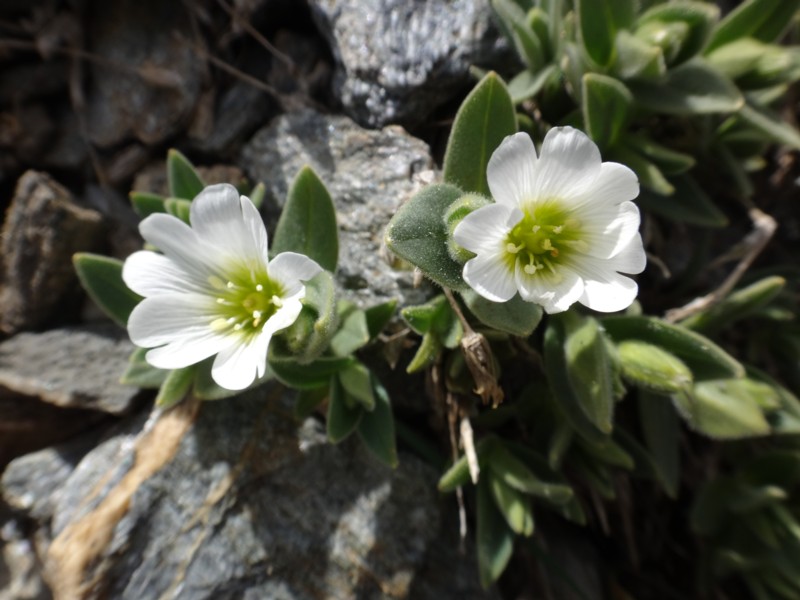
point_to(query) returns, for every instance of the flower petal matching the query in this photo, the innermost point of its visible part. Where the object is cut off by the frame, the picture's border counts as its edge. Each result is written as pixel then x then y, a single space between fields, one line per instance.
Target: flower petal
pixel 149 273
pixel 236 367
pixel 630 259
pixel 489 275
pixel 486 229
pixel 290 268
pixel 286 314
pixel 164 318
pixel 613 293
pixel 568 165
pixel 511 170
pixel 555 292
pixel 180 243
pixel 255 224
pixel 608 229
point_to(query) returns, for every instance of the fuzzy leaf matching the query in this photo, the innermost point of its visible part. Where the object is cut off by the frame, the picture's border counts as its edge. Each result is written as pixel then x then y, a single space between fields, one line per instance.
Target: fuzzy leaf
pixel 418 234
pixel 668 161
pixel 693 88
pixel 303 376
pixel 307 224
pixel 652 368
pixel 353 333
pixel 494 539
pixel 101 277
pixel 376 428
pixel 175 387
pixel 516 316
pixel 456 476
pixel 308 400
pixel 513 505
pixel 636 59
pixel 660 428
pixel 179 208
pixel 526 84
pixel 699 18
pixel 606 105
pixel 688 203
pixel 485 117
pixel 770 124
pixel 343 415
pixel 183 180
pixel 764 20
pixel 356 380
pixel 704 357
pixel 378 317
pixel 598 23
pixel 146 203
pixel 527 44
pixel 142 374
pixel 723 409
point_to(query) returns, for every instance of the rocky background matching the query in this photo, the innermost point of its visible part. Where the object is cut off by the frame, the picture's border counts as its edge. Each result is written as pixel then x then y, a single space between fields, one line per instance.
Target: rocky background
pixel 230 499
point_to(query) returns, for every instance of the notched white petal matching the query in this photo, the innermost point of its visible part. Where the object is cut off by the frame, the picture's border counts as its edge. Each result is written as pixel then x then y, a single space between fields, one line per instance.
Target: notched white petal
pixel 485 229
pixel 489 276
pixel 568 165
pixel 511 170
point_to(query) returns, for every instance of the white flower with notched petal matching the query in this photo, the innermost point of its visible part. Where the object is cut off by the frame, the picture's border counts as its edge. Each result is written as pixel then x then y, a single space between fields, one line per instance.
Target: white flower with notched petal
pixel 562 228
pixel 213 291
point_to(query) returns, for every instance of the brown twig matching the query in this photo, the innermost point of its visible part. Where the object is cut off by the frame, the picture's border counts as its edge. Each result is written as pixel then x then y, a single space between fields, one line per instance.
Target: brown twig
pixel 764 227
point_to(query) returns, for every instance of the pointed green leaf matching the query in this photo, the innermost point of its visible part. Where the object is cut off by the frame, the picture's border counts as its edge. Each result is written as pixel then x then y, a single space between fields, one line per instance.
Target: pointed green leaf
pixel 142 374
pixel 514 473
pixel 653 368
pixel 376 428
pixel 648 172
pixel 598 23
pixel 526 42
pixel 145 203
pixel 764 20
pixel 526 84
pixel 426 354
pixel 356 380
pixel 303 376
pixel 693 88
pixel 687 204
pixel 513 505
pixel 606 106
pixel 175 387
pixel 699 18
pixel 178 207
pixel 343 416
pixel 353 333
pixel 308 401
pixel 559 379
pixel 486 117
pixel 589 370
pixel 704 357
pixel 378 317
pixel 660 429
pixel 770 124
pixel 636 59
pixel 516 316
pixel 494 539
pixel 738 305
pixel 723 409
pixel 737 58
pixel 418 234
pixel 456 476
pixel 257 195
pixel 101 277
pixel 182 177
pixel 668 161
pixel 307 224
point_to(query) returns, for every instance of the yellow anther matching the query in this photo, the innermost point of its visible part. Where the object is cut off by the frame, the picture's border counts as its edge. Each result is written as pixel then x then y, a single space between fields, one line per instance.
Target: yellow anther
pixel 259 287
pixel 547 244
pixel 535 228
pixel 558 229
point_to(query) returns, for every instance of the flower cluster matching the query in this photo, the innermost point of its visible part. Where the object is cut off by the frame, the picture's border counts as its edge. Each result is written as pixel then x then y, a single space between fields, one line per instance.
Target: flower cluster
pixel 213 291
pixel 562 228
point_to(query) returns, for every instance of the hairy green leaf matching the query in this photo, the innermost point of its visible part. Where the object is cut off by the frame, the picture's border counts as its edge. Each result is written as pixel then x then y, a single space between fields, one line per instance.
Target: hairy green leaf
pixel 764 20
pixel 101 277
pixel 606 106
pixel 182 177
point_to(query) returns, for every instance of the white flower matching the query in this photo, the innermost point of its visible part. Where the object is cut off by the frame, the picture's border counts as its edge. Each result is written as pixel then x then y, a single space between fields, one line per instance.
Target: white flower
pixel 562 228
pixel 213 291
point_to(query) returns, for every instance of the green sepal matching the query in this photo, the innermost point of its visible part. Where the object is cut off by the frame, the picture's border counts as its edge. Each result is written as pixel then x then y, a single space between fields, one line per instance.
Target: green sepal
pixel 693 88
pixel 559 378
pixel 512 504
pixel 589 369
pixel 142 374
pixel 356 380
pixel 344 415
pixel 598 23
pixel 178 207
pixel 764 20
pixel 307 224
pixel 606 105
pixel 101 277
pixel 454 215
pixel 418 234
pixel 723 409
pixel 515 317
pixel 494 539
pixel 310 335
pixel 146 203
pixel 740 304
pixel 175 387
pixel 378 317
pixel 353 332
pixel 698 17
pixel 485 117
pixel 653 368
pixel 661 431
pixel 376 428
pixel 702 356
pixel 182 178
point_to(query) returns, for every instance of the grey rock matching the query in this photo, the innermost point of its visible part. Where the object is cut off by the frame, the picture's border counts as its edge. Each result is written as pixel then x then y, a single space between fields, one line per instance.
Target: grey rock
pixel 20 572
pixel 397 60
pixel 369 175
pixel 44 227
pixel 151 91
pixel 70 368
pixel 232 499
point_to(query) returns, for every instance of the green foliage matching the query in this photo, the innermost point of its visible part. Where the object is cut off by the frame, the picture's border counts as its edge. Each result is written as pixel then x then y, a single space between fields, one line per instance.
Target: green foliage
pixel 307 224
pixel 101 277
pixel 182 177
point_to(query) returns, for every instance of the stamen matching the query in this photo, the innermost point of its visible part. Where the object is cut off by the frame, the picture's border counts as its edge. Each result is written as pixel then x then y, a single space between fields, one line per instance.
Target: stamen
pixel 238 326
pixel 230 285
pixel 579 245
pixel 547 244
pixel 277 301
pixel 558 229
pixel 535 228
pixel 256 314
pixel 512 249
pixel 259 287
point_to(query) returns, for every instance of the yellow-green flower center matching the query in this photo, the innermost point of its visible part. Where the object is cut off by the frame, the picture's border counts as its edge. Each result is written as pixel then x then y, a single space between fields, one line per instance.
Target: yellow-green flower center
pixel 546 235
pixel 245 302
